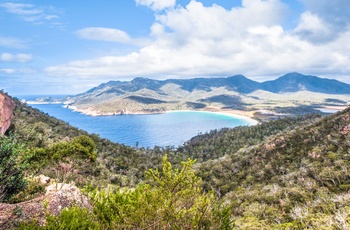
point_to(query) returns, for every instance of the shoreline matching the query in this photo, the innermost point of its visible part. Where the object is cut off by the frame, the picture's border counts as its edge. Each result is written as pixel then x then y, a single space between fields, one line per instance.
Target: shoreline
pixel 247 116
pixel 231 113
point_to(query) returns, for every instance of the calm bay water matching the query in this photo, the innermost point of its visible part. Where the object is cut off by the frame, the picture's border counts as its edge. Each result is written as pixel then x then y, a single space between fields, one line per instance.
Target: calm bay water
pixel 147 130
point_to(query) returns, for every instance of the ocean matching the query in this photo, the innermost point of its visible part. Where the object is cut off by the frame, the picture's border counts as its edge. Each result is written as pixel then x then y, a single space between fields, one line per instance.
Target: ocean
pixel 168 129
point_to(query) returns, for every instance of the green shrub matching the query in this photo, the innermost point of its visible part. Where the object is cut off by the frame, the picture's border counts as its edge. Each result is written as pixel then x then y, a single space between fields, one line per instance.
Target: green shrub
pixel 81 147
pixel 69 219
pixel 11 168
pixel 33 189
pixel 85 147
pixel 172 199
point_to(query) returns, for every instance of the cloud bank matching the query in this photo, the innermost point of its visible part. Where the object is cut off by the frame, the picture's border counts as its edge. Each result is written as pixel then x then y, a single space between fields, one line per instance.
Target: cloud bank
pixel 195 40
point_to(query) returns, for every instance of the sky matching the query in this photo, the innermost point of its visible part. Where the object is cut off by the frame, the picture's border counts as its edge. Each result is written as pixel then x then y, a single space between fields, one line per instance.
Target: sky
pixel 68 47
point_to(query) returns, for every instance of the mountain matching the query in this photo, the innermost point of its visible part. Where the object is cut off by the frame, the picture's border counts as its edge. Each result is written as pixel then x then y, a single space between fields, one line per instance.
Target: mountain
pixel 293 82
pixel 292 93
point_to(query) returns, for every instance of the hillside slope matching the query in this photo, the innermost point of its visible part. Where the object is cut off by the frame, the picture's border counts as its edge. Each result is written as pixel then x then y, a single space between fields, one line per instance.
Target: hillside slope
pixel 290 173
pixel 115 163
pixel 296 179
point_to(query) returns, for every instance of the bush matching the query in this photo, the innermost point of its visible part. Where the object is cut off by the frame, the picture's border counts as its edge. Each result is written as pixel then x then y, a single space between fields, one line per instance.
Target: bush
pixel 172 199
pixel 81 147
pixel 11 168
pixel 73 218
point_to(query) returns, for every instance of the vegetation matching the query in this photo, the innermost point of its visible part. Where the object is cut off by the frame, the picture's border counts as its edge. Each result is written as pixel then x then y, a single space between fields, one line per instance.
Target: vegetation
pixel 145 100
pixel 218 143
pixel 12 168
pixel 299 110
pixel 92 160
pixel 171 199
pixel 291 173
pixel 294 180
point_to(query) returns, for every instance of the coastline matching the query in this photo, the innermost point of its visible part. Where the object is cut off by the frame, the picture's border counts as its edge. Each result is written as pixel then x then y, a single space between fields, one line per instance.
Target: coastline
pixel 247 116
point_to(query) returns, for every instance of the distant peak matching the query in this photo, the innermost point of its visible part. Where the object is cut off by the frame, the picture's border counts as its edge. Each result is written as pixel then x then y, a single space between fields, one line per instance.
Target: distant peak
pixel 239 76
pixel 294 75
pixel 140 79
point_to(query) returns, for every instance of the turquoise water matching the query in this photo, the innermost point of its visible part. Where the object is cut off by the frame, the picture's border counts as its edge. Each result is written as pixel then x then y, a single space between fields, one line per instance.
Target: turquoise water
pixel 168 129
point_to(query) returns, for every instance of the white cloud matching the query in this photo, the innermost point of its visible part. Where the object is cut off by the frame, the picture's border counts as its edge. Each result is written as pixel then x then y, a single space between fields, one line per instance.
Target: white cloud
pixel 7 57
pixel 27 12
pixel 104 34
pixel 12 71
pixel 209 41
pixel 333 14
pixel 10 42
pixel 21 9
pixel 157 4
pixel 313 28
pixel 335 11
pixel 109 35
pixel 8 71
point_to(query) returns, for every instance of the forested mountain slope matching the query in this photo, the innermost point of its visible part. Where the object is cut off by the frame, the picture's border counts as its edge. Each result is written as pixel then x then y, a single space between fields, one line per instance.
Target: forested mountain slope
pixel 289 173
pixel 296 179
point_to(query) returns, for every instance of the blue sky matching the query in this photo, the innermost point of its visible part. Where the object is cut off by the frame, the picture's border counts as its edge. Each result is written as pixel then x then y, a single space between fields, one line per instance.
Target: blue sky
pixel 68 47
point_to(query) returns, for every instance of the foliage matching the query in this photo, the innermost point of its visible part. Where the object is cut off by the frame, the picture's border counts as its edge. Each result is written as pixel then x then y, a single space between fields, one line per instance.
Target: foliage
pixel 73 218
pixel 291 173
pixel 110 163
pixel 79 148
pixel 172 199
pixel 33 189
pixel 218 143
pixel 293 180
pixel 11 168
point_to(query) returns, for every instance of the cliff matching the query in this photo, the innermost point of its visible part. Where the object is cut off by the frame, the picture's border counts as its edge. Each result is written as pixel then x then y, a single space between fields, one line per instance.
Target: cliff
pixel 6 112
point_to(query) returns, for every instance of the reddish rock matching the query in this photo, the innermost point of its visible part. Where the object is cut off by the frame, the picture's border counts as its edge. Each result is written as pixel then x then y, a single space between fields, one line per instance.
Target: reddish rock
pixel 6 112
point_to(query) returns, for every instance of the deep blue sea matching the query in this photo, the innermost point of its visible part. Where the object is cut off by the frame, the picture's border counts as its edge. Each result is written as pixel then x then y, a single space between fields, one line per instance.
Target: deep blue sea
pixel 168 129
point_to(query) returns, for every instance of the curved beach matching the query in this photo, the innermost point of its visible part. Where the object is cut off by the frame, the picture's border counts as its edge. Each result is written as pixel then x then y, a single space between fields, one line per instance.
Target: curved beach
pixel 242 115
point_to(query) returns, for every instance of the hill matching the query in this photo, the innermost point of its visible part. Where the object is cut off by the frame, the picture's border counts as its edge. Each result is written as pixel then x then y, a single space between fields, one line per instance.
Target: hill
pixel 290 173
pixel 115 163
pixel 297 179
pixel 292 91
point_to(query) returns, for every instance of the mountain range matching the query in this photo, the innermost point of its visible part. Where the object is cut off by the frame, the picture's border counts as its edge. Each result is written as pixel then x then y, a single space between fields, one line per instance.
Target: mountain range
pixel 144 95
pixel 291 82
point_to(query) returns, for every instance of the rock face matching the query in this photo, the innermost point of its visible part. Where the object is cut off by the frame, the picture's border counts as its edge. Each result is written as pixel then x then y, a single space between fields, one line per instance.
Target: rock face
pixel 6 112
pixel 60 196
pixel 57 197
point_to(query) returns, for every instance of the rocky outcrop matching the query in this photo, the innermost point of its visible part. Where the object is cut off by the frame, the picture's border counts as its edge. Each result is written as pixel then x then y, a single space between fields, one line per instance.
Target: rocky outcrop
pixel 6 112
pixel 57 197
